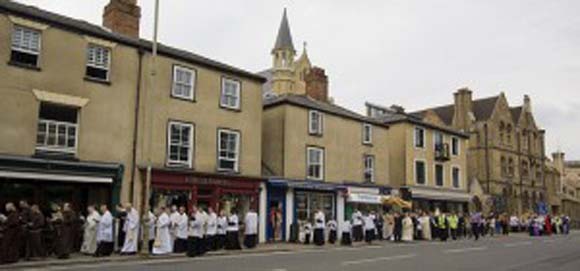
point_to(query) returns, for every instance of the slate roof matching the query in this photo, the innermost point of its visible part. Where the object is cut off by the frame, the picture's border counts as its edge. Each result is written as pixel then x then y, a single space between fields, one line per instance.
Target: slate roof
pixel 482 109
pixel 310 103
pixel 391 118
pixel 284 39
pixel 516 113
pixel 83 27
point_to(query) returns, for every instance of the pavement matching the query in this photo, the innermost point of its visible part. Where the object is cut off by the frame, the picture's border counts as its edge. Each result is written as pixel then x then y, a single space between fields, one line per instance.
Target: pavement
pixel 515 252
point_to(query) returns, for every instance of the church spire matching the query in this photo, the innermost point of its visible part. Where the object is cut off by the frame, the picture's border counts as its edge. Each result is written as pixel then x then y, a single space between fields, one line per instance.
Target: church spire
pixel 284 39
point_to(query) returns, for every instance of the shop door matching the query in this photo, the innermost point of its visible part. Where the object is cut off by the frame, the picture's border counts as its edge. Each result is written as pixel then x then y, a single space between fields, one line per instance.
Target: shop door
pixel 276 220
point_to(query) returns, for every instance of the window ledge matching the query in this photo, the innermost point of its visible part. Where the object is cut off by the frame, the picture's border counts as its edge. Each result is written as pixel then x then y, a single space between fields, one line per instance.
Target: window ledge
pixel 228 171
pixel 97 80
pixel 185 99
pixel 316 134
pixel 369 144
pixel 24 66
pixel 233 109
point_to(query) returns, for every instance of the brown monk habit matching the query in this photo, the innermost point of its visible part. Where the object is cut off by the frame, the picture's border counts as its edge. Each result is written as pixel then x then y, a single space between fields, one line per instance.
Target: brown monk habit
pixel 34 246
pixel 67 237
pixel 11 239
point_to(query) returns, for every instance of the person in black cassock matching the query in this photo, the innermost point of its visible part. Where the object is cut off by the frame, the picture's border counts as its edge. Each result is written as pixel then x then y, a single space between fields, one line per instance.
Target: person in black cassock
pixel 232 232
pixel 332 228
pixel 11 236
pixel 319 224
pixel 398 230
pixel 121 216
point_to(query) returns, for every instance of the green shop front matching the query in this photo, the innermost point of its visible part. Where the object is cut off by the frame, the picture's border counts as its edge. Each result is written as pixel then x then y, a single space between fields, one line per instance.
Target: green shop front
pixel 46 181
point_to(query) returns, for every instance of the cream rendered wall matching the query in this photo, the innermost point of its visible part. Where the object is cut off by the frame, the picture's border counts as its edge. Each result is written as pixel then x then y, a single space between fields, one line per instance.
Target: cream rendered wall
pixel 342 142
pixel 105 123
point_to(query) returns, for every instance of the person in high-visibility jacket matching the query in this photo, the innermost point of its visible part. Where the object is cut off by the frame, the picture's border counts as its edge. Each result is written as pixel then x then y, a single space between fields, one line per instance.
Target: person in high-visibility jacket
pixel 443 225
pixel 453 225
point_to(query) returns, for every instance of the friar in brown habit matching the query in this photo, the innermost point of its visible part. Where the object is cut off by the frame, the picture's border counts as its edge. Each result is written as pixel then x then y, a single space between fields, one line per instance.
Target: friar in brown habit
pixel 24 216
pixel 34 248
pixel 11 240
pixel 68 228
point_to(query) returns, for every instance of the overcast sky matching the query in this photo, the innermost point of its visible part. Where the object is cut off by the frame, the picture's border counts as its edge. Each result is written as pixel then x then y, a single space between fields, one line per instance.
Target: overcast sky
pixel 415 53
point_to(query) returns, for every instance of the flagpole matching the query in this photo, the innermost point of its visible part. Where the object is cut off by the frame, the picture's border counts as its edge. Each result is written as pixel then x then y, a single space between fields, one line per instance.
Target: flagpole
pixel 147 187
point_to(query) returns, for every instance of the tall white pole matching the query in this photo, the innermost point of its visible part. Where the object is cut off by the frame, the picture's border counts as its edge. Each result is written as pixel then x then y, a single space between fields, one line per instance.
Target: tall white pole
pixel 150 104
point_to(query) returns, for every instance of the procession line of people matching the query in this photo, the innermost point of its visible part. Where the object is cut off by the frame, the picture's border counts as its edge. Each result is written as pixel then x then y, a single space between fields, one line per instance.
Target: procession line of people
pixel 25 232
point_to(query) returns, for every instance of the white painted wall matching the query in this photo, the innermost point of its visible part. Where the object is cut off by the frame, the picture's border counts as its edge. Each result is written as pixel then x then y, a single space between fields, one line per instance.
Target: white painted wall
pixel 289 210
pixel 262 213
pixel 340 205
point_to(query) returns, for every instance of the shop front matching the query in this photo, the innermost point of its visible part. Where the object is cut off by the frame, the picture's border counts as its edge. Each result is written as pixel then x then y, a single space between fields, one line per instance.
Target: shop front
pixel 221 192
pixel 47 181
pixel 290 204
pixel 444 200
pixel 365 199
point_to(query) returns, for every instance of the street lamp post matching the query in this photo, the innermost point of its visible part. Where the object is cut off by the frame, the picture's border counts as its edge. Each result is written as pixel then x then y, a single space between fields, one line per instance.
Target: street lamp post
pixel 147 186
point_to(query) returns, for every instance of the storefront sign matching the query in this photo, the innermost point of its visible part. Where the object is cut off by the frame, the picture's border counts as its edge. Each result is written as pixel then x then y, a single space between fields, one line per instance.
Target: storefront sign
pixel 365 198
pixel 206 181
pixel 364 190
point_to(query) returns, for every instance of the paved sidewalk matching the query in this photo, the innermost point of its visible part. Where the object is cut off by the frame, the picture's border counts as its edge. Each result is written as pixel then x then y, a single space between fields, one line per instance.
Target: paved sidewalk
pixel 83 259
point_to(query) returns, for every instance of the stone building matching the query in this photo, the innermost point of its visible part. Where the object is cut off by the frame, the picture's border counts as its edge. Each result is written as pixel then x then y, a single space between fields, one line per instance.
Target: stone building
pixel 506 150
pixel 427 157
pixel 84 122
pixel 316 154
pixel 569 190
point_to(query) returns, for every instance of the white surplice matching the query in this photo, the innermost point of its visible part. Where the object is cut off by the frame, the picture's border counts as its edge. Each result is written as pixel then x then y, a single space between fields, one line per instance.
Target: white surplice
pixel 105 228
pixel 89 245
pixel 251 223
pixel 407 229
pixel 163 244
pixel 131 229
pixel 182 225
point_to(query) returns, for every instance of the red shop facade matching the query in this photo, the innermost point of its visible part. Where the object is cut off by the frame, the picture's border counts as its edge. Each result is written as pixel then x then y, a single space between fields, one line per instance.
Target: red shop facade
pixel 222 192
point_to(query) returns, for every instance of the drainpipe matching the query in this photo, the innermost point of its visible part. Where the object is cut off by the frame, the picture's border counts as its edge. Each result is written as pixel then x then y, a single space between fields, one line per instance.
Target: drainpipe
pixel 136 126
pixel 487 169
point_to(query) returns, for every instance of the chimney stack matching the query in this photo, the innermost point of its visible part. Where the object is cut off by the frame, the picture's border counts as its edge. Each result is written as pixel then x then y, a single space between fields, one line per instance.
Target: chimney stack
pixel 527 104
pixel 317 84
pixel 123 17
pixel 463 116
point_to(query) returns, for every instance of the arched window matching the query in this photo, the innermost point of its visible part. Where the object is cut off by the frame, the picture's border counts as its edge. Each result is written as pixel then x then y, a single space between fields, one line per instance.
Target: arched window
pixel 509 134
pixel 504 169
pixel 501 132
pixel 526 201
pixel 511 168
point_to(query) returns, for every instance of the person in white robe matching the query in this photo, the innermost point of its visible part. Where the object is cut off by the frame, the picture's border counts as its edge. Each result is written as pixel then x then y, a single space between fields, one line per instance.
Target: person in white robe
pixel 251 229
pixel 180 243
pixel 357 226
pixel 195 233
pixel 369 227
pixel 162 244
pixel 346 232
pixel 407 228
pixel 332 227
pixel 425 222
pixel 173 218
pixel 211 230
pixel 232 232
pixel 319 224
pixel 89 246
pixel 105 243
pixel 150 228
pixel 222 225
pixel 131 229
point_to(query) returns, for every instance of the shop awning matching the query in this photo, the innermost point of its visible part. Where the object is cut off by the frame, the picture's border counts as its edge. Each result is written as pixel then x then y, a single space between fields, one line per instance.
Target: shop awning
pixel 440 194
pixel 308 185
pixel 54 177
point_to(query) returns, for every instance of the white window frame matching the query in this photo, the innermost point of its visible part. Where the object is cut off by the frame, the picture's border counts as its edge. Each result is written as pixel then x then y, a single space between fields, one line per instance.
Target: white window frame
pixel 236 159
pixel 370 170
pixel 367 137
pixel 455 151
pixel 319 129
pixel 191 83
pixel 189 161
pixel 55 147
pixel 415 137
pixel 425 172
pixel 109 60
pixel 309 163
pixel 27 50
pixel 237 93
pixel 435 135
pixel 435 174
pixel 458 177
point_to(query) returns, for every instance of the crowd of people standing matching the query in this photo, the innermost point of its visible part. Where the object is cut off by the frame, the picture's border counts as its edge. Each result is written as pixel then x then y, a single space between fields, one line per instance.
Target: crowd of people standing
pixel 27 234
pixel 427 226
